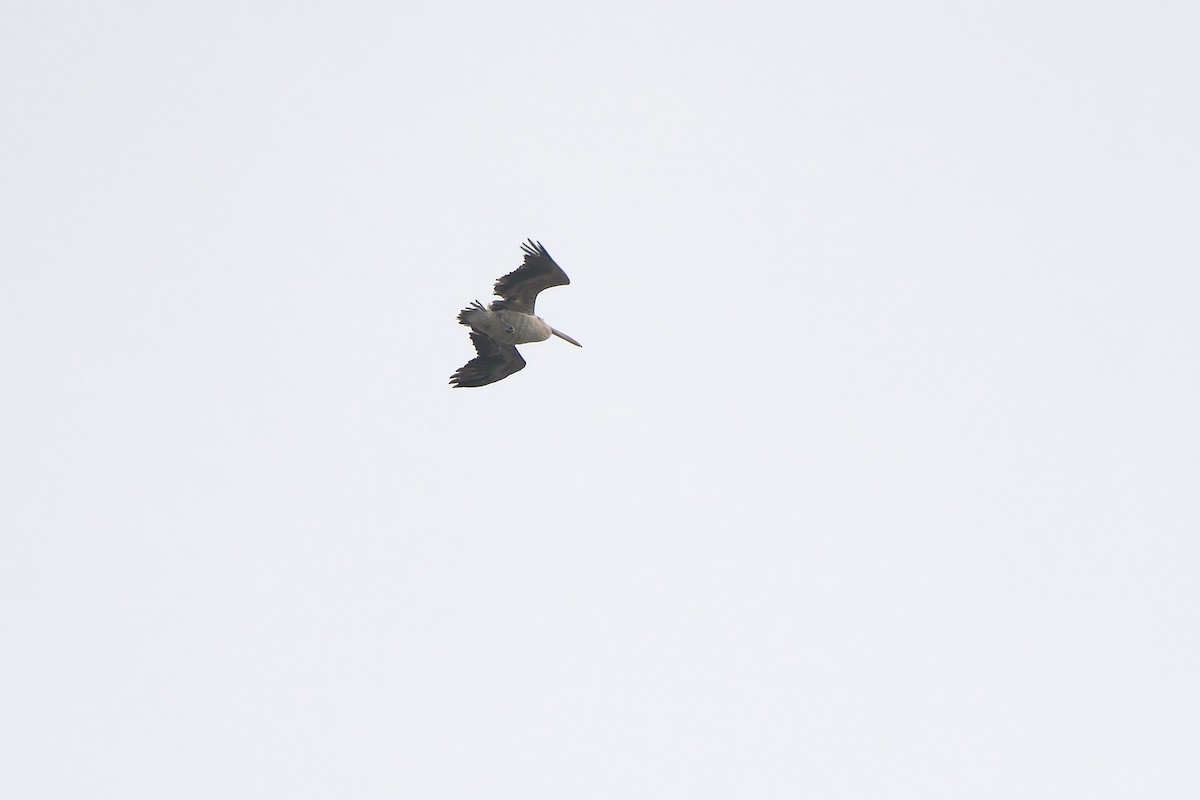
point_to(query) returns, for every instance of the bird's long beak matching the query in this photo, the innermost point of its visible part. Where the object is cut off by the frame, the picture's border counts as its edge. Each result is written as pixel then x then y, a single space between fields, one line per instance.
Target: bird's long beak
pixel 562 335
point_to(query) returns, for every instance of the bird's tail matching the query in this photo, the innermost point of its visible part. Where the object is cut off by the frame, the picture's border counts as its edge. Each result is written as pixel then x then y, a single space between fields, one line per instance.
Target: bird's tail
pixel 470 312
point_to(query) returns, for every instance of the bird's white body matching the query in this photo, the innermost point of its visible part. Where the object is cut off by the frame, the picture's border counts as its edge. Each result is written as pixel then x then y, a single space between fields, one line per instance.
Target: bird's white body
pixel 509 327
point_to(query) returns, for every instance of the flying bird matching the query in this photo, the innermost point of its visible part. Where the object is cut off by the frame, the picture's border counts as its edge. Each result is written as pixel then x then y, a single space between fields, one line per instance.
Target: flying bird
pixel 498 328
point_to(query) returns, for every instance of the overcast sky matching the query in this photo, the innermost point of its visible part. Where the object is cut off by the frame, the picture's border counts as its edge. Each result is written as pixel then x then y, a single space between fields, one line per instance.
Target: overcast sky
pixel 877 476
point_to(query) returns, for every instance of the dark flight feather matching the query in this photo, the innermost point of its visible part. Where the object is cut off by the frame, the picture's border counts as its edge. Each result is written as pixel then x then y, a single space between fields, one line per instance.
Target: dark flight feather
pixel 495 362
pixel 520 287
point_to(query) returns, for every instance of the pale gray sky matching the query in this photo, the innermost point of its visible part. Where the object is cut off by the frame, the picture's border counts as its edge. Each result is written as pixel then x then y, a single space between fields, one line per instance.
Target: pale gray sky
pixel 877 475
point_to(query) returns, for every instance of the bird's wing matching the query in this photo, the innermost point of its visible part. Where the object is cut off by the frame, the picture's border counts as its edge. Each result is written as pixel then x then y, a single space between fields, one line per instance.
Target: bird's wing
pixel 495 362
pixel 520 287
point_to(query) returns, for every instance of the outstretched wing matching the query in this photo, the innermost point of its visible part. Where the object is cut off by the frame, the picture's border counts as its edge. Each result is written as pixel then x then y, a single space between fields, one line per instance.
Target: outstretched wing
pixel 495 362
pixel 520 287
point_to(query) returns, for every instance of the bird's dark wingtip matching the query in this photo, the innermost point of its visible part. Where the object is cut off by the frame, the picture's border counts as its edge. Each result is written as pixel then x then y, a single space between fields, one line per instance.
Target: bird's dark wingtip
pixel 465 378
pixel 534 249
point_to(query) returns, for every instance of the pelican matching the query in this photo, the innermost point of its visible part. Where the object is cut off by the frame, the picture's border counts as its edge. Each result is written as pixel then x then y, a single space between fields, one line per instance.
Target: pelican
pixel 496 329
